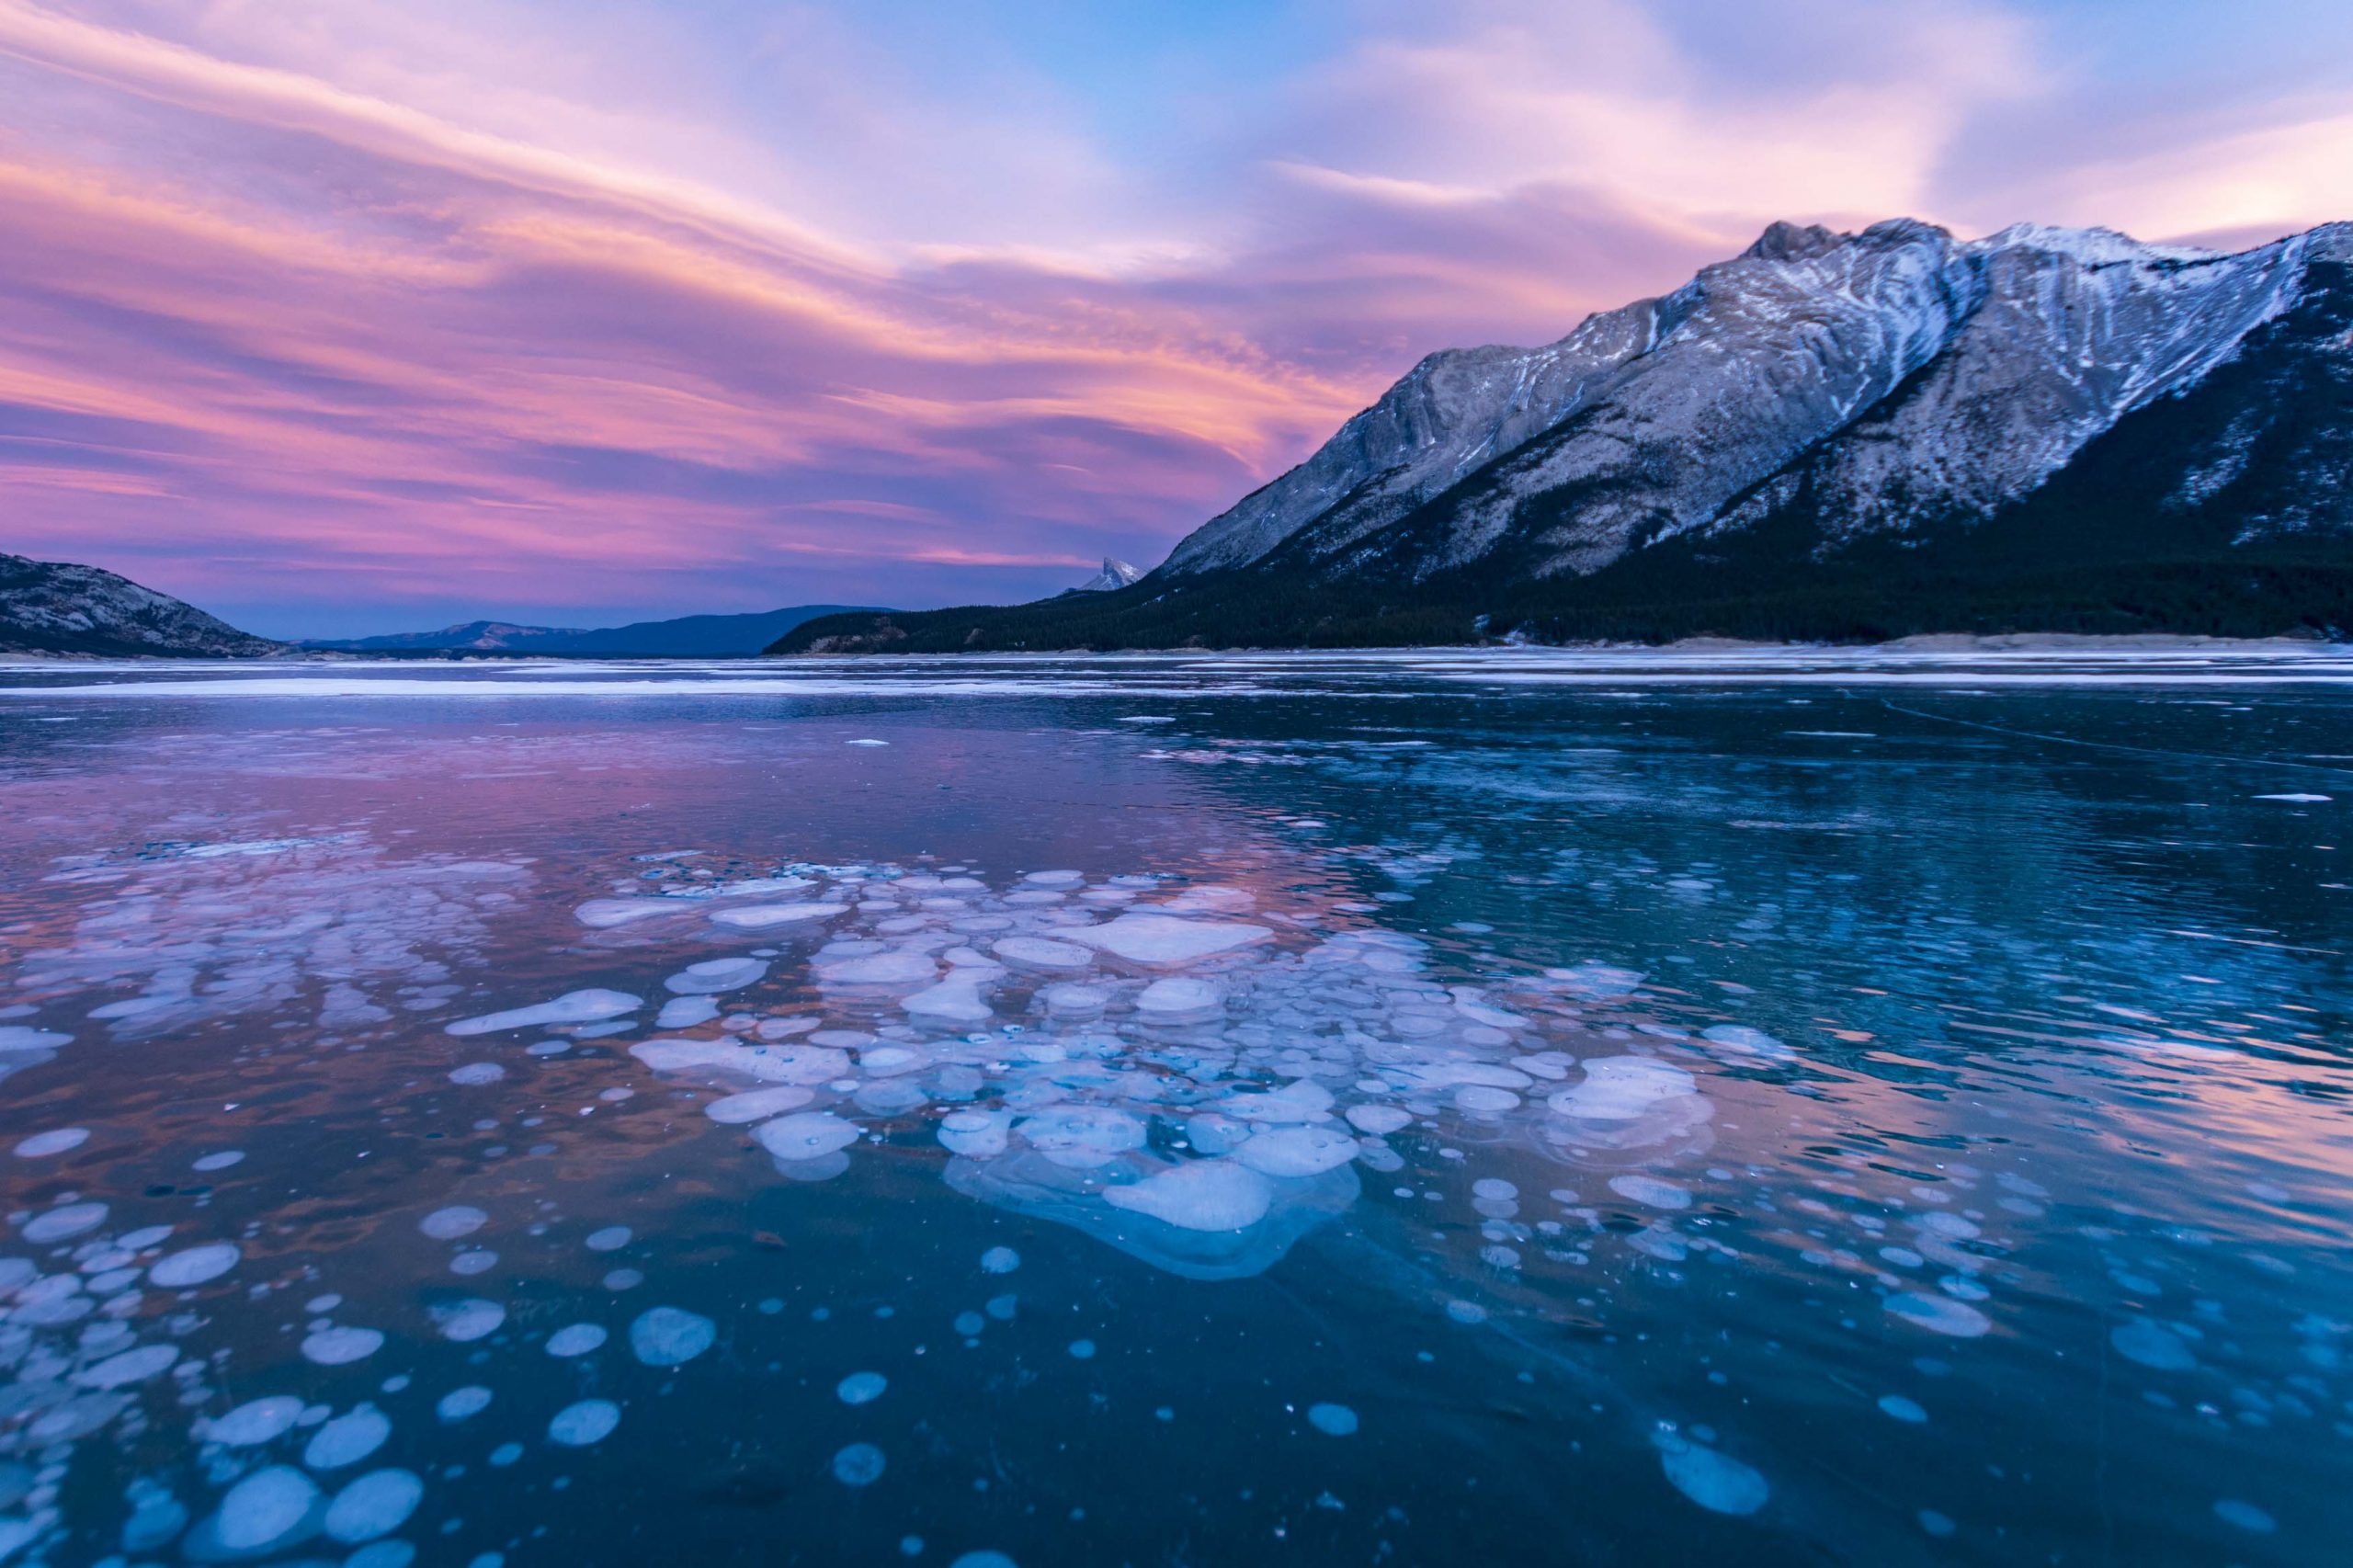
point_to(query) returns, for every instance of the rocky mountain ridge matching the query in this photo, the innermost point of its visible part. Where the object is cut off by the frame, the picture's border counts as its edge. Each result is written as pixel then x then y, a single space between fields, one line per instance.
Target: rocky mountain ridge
pixel 56 607
pixel 1852 419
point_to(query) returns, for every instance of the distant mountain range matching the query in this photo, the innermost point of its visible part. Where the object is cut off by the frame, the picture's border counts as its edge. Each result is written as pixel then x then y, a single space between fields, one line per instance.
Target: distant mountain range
pixel 54 607
pixel 692 636
pixel 1831 435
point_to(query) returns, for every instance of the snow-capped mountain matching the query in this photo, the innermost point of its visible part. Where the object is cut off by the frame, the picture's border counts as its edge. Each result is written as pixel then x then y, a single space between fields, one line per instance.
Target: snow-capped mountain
pixel 1807 434
pixel 1116 573
pixel 54 607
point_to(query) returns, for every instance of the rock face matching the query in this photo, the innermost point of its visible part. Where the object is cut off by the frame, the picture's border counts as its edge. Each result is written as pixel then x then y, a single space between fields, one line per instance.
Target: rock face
pixel 1116 573
pixel 1829 435
pixel 53 606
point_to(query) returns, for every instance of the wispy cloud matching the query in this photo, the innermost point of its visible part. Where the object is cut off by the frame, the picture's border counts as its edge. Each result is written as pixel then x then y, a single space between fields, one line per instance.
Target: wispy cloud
pixel 386 311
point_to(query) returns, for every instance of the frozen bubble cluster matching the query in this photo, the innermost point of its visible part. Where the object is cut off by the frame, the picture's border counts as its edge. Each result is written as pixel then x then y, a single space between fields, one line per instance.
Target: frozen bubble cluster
pixel 1178 1071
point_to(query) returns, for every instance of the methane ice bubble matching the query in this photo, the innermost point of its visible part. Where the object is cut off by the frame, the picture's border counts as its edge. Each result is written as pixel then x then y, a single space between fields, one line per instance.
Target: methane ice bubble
pixel 254 1422
pixel 267 1509
pixel 449 1224
pixel 1332 1420
pixel 895 968
pixel 1042 954
pixel 1297 1150
pixel 668 1337
pixel 461 1322
pixel 611 1238
pixel 757 1104
pixel 134 1366
pixel 1378 1120
pixel 806 1135
pixel 348 1439
pixel 1739 1041
pixel 1651 1191
pixel 686 1012
pixel 576 1340
pixel 65 1222
pixel 1167 941
pixel 376 1505
pixel 474 1074
pixel 589 1421
pixel 588 1006
pixel 861 1388
pixel 57 1141
pixel 1198 1195
pixel 1940 1315
pixel 771 916
pixel 603 913
pixel 463 1404
pixel 1716 1481
pixel 713 976
pixel 194 1266
pixel 337 1346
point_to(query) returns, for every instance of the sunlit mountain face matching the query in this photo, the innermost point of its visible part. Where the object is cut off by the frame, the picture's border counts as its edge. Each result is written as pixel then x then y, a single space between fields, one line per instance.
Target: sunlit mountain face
pixel 1881 1106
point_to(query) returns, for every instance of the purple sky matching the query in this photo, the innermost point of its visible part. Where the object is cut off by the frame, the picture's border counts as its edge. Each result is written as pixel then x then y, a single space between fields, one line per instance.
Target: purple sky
pixel 368 315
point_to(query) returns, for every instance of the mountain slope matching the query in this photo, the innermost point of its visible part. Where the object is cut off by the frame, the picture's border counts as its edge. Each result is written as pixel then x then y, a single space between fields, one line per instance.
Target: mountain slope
pixel 686 637
pixel 1830 435
pixel 54 607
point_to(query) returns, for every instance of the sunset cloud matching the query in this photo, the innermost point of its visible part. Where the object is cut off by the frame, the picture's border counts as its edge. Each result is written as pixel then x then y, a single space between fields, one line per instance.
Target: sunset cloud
pixel 383 313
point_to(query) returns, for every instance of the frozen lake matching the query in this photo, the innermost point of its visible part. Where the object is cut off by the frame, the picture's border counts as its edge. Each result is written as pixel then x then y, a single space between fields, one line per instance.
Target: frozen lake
pixel 1757 1108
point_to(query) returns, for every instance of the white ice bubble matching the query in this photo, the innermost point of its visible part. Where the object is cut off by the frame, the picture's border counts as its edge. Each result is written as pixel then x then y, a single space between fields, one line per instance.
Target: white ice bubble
pixel 263 1509
pixel 612 1238
pixel 1333 1420
pixel 590 1421
pixel 461 1322
pixel 1378 1120
pixel 713 976
pixel 1940 1315
pixel 450 1223
pixel 376 1505
pixel 1650 1190
pixel 1168 941
pixel 2150 1344
pixel 1717 1482
pixel 1180 1000
pixel 221 1160
pixel 897 967
pixel 1738 1039
pixel 1297 1150
pixel 686 1012
pixel 757 1104
pixel 463 1404
pixel 1902 1409
pixel 348 1439
pixel 194 1266
pixel 1080 1137
pixel 65 1222
pixel 766 916
pixel 807 1135
pixel 588 1006
pixel 57 1141
pixel 859 1464
pixel 603 913
pixel 668 1337
pixel 255 1421
pixel 133 1366
pixel 1041 953
pixel 1000 1260
pixel 1199 1195
pixel 576 1340
pixel 474 1074
pixel 861 1388
pixel 339 1347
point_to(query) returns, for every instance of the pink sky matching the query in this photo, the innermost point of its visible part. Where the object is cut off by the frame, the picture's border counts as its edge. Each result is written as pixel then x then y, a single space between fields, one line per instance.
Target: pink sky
pixel 365 316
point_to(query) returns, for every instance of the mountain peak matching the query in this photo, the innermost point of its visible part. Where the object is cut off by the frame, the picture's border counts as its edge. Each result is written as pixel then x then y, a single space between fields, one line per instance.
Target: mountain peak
pixel 1785 241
